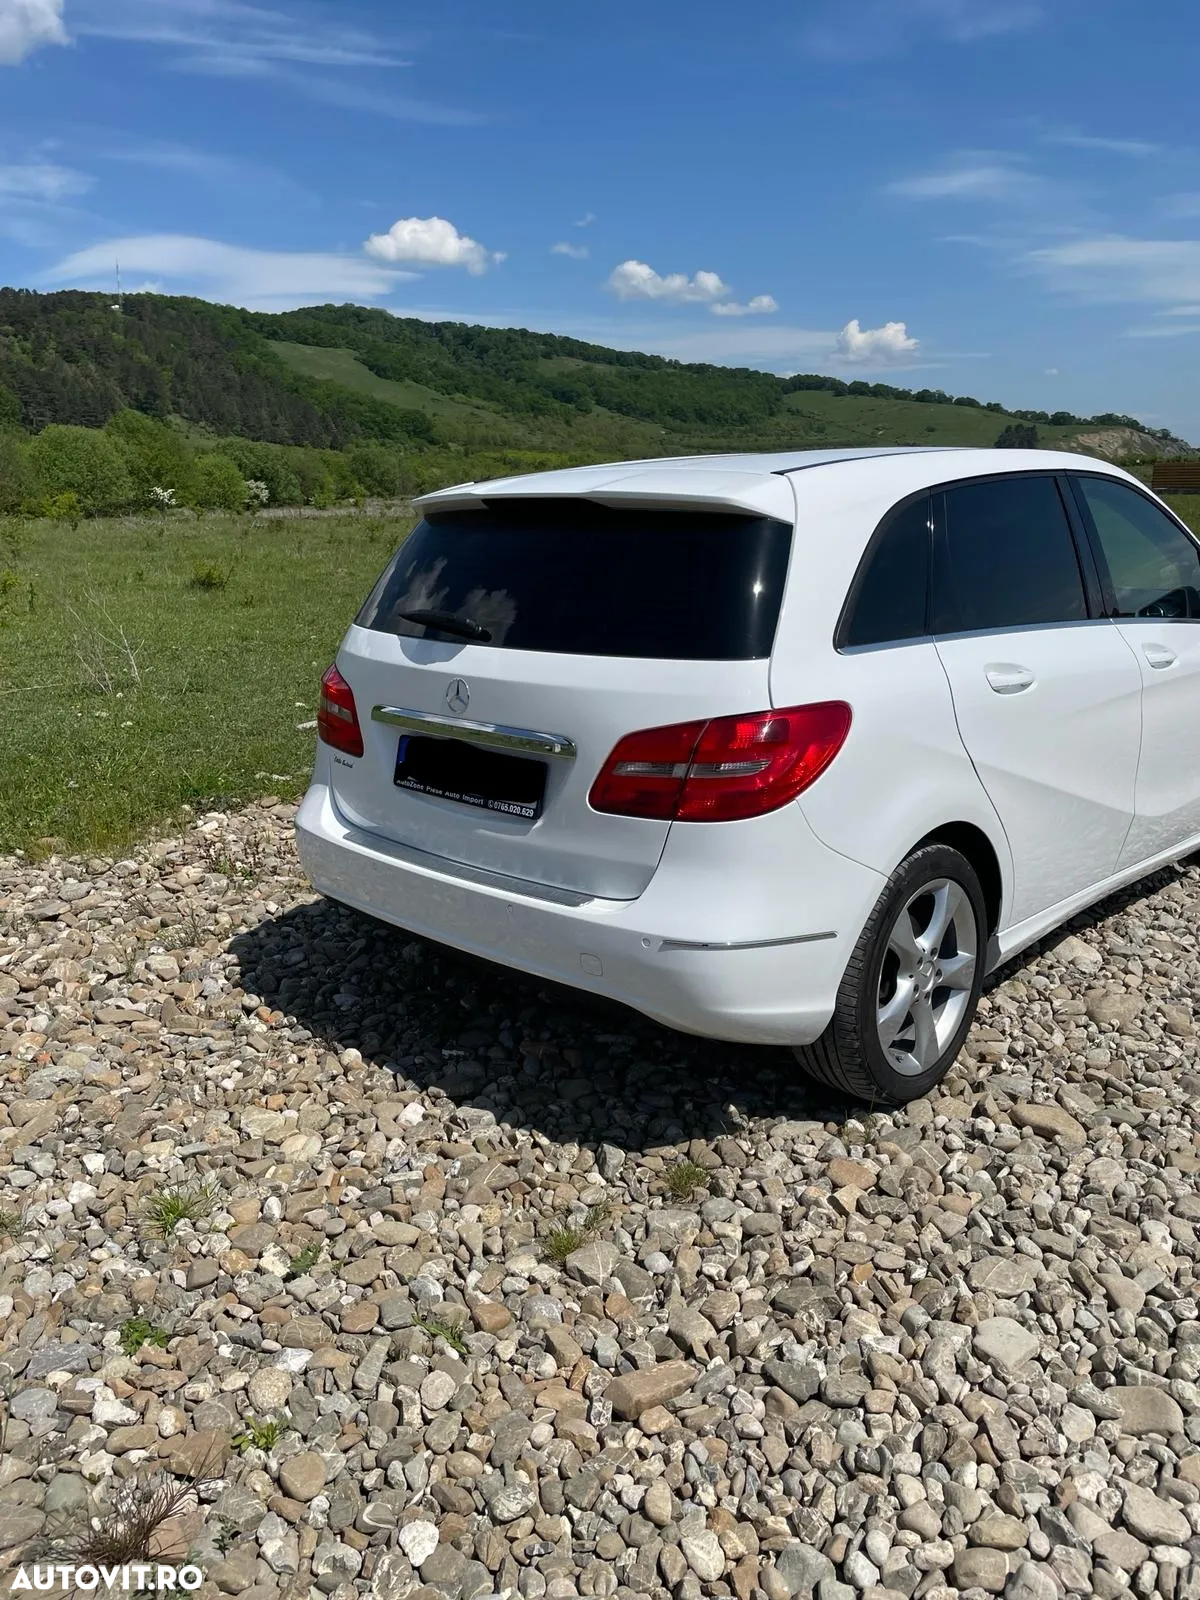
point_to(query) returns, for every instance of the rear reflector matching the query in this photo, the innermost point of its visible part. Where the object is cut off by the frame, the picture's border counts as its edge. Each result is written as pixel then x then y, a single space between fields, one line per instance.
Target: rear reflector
pixel 724 770
pixel 337 717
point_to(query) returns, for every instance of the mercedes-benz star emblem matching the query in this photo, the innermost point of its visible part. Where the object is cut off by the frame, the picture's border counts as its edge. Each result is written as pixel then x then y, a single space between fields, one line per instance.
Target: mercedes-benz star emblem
pixel 458 697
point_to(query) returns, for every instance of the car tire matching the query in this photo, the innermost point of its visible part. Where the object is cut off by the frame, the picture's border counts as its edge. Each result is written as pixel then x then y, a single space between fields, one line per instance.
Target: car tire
pixel 925 943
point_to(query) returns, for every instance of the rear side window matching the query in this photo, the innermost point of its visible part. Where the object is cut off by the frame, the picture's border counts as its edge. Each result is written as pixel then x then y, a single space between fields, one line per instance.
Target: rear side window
pixel 888 601
pixel 1006 558
pixel 1154 566
pixel 576 578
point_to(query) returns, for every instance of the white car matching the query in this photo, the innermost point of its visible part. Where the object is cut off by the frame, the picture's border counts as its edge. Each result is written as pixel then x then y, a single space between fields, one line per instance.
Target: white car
pixel 789 749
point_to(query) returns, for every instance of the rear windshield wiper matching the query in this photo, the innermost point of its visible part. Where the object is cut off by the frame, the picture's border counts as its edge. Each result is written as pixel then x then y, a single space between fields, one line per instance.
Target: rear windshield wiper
pixel 447 622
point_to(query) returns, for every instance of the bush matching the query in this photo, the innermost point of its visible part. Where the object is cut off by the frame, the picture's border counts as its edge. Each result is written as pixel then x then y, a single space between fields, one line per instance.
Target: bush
pixel 83 462
pixel 376 468
pixel 1018 436
pixel 64 507
pixel 207 575
pixel 155 455
pixel 19 488
pixel 217 484
pixel 266 463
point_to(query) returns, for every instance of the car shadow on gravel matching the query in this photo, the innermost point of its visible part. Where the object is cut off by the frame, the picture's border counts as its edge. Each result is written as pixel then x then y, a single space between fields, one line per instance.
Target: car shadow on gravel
pixel 562 1063
pixel 557 1061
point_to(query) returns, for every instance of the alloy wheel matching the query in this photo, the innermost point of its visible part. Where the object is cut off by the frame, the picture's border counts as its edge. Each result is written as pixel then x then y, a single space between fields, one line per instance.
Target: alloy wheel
pixel 927 976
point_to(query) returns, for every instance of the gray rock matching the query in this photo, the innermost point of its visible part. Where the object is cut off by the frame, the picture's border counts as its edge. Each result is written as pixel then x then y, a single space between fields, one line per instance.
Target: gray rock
pixel 1005 1343
pixel 800 1379
pixel 800 1568
pixel 981 1568
pixel 1145 1409
pixel 1154 1520
pixel 593 1262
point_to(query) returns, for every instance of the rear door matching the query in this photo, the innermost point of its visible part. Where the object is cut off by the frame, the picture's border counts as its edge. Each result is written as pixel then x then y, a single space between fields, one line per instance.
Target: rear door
pixel 1150 567
pixel 1047 696
pixel 541 633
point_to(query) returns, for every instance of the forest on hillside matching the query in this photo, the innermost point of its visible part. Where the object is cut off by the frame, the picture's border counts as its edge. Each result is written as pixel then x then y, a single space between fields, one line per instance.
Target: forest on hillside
pixel 173 401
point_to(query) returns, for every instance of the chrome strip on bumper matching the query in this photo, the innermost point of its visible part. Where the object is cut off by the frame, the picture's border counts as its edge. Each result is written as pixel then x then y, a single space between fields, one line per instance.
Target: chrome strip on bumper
pixel 493 735
pixel 747 944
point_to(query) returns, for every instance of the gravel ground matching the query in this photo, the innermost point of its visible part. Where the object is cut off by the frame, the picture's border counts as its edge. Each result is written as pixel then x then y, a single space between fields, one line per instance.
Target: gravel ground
pixel 544 1300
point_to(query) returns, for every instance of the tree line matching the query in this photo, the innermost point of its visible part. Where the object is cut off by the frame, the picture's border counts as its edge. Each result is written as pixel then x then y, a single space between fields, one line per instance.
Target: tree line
pixel 136 463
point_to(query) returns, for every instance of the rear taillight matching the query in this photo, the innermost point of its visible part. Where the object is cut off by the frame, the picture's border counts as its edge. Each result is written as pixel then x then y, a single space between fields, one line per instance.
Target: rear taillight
pixel 723 770
pixel 337 718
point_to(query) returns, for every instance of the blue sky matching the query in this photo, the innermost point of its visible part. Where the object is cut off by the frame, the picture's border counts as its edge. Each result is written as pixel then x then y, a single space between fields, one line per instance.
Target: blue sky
pixel 994 197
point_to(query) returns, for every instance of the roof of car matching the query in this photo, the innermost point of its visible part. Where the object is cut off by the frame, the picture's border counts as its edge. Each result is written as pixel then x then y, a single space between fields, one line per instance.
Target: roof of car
pixel 747 481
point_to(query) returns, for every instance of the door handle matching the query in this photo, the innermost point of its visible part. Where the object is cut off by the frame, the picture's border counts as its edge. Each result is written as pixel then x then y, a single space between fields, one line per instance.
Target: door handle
pixel 1159 656
pixel 1005 678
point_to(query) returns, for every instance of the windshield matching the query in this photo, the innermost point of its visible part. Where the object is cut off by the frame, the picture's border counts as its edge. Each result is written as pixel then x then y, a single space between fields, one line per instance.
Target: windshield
pixel 576 578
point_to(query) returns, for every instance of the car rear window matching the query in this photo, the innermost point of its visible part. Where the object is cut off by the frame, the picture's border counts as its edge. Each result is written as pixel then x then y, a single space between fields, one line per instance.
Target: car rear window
pixel 576 578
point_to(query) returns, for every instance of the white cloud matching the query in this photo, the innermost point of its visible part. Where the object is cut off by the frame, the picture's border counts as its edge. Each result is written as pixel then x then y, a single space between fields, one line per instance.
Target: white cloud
pixel 27 24
pixel 577 252
pixel 236 39
pixel 634 280
pixel 969 176
pixel 761 305
pixel 1117 268
pixel 1114 147
pixel 875 346
pixel 41 180
pixel 884 27
pixel 264 280
pixel 430 242
pixel 230 36
pixel 586 219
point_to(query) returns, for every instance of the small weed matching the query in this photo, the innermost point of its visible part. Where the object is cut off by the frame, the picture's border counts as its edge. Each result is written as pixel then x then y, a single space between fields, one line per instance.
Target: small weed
pixel 563 1241
pixel 684 1178
pixel 304 1261
pixel 185 933
pixel 442 1330
pixel 565 1238
pixel 10 1222
pixel 207 575
pixel 165 1210
pixel 136 1331
pixel 258 1434
pixel 127 1531
pixel 226 1535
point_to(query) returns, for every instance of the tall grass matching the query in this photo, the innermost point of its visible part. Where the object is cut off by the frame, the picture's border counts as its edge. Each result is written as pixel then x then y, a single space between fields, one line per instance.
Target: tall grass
pixel 129 689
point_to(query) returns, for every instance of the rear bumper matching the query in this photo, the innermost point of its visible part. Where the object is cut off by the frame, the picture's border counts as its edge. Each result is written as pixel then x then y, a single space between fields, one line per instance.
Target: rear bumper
pixel 751 948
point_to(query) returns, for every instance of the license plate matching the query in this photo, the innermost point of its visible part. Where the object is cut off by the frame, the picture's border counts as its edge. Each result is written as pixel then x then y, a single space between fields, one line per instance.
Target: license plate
pixel 450 769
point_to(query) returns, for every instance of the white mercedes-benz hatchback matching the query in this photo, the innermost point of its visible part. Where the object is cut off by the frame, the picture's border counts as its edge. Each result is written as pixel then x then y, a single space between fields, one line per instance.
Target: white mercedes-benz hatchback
pixel 789 749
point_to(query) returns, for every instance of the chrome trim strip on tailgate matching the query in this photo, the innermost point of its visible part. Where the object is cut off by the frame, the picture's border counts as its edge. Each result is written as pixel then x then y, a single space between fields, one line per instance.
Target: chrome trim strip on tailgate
pixel 490 734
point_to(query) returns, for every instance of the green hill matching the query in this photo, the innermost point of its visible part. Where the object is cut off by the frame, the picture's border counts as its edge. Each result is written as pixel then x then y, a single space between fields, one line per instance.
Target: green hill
pixel 407 404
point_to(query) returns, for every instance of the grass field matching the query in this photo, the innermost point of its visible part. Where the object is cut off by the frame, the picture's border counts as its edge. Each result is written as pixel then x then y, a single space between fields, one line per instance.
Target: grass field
pixel 344 367
pixel 147 665
pixel 128 688
pixel 861 419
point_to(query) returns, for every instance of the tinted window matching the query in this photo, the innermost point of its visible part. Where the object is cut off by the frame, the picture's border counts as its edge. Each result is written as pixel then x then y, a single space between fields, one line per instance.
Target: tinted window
pixel 888 602
pixel 573 577
pixel 1154 566
pixel 1006 559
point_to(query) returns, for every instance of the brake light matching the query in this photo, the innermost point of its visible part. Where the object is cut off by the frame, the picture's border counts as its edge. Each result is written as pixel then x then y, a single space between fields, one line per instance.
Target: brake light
pixel 337 718
pixel 724 770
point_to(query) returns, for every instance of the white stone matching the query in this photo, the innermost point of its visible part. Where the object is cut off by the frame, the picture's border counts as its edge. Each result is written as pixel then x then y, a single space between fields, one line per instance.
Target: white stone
pixel 418 1540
